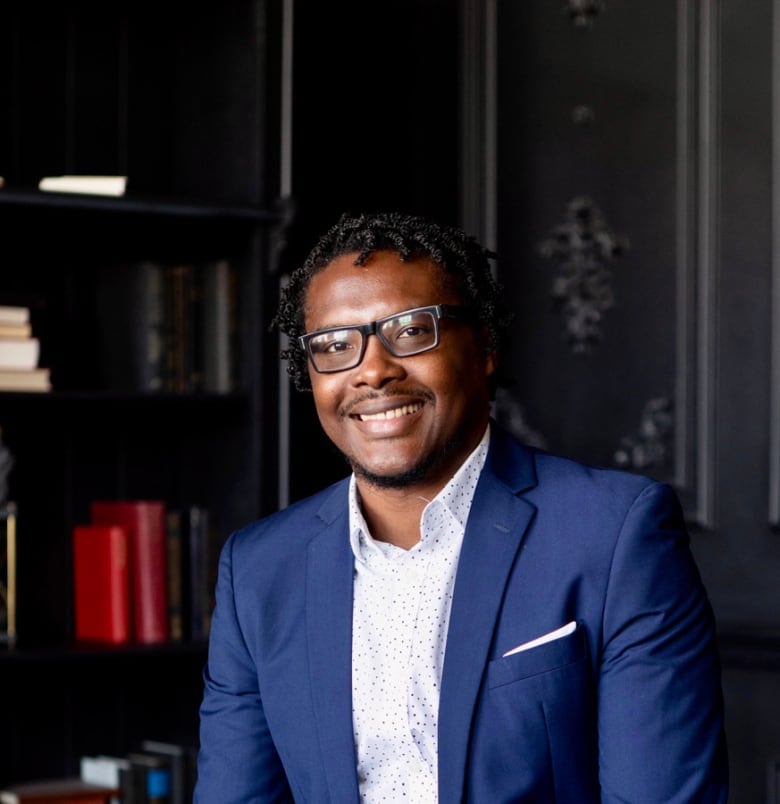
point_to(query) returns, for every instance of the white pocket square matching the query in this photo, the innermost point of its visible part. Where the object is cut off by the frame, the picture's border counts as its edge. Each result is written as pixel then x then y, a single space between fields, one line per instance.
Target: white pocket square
pixel 563 631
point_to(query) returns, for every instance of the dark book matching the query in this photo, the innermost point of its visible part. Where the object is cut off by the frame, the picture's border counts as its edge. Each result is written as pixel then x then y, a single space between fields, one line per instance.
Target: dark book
pixel 101 583
pixel 220 326
pixel 145 523
pixel 183 766
pixel 131 323
pixel 196 572
pixel 180 311
pixel 152 774
pixel 175 568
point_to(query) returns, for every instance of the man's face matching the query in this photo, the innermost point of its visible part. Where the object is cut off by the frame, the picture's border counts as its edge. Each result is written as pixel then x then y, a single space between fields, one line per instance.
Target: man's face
pixel 400 421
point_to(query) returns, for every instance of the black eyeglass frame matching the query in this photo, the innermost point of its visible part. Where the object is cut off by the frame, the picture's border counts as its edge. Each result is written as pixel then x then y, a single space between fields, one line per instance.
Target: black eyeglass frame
pixel 438 311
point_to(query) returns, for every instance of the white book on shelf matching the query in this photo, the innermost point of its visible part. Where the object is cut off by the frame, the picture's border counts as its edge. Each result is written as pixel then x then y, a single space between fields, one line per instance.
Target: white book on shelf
pixel 14 314
pixel 37 379
pixel 103 770
pixel 15 330
pixel 19 353
pixel 87 185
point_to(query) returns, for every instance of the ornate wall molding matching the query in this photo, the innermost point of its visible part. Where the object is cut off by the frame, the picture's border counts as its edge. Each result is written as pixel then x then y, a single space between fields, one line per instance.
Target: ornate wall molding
pixel 648 448
pixel 583 12
pixel 581 247
pixel 697 232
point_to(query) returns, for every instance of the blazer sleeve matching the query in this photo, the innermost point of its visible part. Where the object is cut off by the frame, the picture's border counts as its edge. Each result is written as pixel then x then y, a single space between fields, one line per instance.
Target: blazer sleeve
pixel 237 760
pixel 660 710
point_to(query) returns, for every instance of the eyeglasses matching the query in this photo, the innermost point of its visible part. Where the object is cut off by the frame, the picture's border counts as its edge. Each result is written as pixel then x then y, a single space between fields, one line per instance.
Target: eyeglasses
pixel 402 334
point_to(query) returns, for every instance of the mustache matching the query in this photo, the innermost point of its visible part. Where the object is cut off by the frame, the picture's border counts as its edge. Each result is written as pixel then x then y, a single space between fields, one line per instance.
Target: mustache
pixel 413 394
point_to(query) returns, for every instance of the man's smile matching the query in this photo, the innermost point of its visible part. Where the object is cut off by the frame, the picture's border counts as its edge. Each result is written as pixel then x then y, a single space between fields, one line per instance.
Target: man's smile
pixel 393 413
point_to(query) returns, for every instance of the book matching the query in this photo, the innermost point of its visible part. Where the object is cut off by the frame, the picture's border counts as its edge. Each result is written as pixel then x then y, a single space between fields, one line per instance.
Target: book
pixel 19 353
pixel 131 325
pixel 179 338
pixel 152 777
pixel 197 572
pixel 220 326
pixel 15 330
pixel 57 791
pixel 8 563
pixel 38 379
pixel 175 557
pixel 88 185
pixel 145 523
pixel 14 314
pixel 183 767
pixel 111 772
pixel 101 583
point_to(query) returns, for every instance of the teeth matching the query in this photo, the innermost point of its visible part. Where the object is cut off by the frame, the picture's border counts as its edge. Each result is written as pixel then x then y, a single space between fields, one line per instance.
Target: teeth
pixel 404 410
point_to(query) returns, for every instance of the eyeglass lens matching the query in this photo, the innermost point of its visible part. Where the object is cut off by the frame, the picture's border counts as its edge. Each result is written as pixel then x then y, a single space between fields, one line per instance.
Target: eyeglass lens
pixel 402 335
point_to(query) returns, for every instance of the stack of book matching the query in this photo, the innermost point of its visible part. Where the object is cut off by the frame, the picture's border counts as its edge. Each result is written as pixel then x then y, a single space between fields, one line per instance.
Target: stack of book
pixel 144 573
pixel 169 327
pixel 20 352
pixel 157 773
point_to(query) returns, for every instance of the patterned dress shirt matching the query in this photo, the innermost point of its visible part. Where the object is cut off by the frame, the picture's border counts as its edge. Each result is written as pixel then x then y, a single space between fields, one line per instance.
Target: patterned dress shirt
pixel 400 616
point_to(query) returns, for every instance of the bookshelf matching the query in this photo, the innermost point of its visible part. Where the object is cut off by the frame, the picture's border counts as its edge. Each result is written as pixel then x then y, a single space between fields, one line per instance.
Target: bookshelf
pixel 179 97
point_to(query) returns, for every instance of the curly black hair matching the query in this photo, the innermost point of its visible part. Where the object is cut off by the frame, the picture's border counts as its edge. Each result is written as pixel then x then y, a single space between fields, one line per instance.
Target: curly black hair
pixel 411 237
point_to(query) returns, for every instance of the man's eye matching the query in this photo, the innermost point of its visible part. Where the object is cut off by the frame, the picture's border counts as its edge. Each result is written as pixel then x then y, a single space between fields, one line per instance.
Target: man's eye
pixel 413 331
pixel 335 346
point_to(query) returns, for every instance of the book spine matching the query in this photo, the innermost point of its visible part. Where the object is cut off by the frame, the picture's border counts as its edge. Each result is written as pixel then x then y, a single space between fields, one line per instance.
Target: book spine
pixel 219 326
pixel 152 336
pixel 198 566
pixel 130 321
pixel 175 567
pixel 145 522
pixel 149 573
pixel 100 565
pixel 152 774
pixel 183 765
pixel 19 353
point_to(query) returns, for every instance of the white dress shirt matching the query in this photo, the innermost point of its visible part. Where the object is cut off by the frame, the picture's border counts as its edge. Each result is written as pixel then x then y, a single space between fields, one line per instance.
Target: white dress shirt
pixel 400 616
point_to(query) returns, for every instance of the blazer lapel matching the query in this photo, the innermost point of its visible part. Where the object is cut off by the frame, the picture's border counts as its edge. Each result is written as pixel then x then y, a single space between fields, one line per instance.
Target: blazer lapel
pixel 495 530
pixel 329 631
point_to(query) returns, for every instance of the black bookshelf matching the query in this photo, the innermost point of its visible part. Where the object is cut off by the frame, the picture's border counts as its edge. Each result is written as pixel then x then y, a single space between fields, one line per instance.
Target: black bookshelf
pixel 180 100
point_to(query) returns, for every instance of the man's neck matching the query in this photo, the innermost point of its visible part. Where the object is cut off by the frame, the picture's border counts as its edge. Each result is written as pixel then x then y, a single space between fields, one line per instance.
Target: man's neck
pixel 393 515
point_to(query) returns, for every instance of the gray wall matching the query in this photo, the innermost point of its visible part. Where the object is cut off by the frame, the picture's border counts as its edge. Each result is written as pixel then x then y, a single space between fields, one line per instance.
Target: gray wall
pixel 631 193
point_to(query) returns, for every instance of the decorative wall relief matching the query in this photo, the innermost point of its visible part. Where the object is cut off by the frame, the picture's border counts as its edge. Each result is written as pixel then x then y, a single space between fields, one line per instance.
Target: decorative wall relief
pixel 583 12
pixel 583 115
pixel 651 446
pixel 581 246
pixel 508 412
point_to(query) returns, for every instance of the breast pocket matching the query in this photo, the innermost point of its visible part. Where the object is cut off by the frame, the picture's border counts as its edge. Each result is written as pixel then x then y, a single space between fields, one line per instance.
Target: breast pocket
pixel 545 658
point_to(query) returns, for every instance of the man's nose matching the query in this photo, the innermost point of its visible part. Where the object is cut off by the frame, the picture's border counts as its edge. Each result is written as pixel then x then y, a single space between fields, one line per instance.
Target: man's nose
pixel 378 365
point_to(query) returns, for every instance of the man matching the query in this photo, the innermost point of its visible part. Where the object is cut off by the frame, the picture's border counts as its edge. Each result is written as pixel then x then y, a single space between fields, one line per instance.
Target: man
pixel 463 618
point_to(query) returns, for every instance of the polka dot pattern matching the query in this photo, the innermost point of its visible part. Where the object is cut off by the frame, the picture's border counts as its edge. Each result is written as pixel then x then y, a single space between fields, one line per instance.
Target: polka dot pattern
pixel 401 611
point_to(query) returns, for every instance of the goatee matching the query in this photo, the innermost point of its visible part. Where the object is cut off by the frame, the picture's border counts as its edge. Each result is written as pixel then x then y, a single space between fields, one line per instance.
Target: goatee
pixel 423 469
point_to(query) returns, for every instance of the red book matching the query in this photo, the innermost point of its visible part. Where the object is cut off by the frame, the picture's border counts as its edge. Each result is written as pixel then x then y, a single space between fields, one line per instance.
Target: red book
pixel 101 584
pixel 145 523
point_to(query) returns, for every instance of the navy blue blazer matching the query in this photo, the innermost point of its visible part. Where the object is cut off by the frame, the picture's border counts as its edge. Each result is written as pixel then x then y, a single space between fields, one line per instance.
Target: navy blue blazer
pixel 627 708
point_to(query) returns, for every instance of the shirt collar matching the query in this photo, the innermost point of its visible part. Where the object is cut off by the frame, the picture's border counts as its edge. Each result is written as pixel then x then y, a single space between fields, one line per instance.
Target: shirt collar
pixel 455 498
